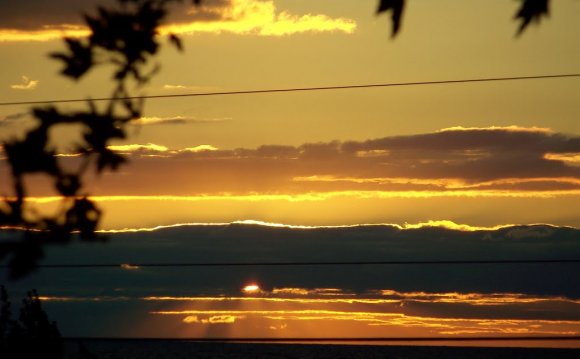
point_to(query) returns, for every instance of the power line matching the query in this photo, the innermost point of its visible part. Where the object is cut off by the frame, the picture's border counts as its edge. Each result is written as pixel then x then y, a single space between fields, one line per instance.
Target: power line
pixel 302 89
pixel 289 264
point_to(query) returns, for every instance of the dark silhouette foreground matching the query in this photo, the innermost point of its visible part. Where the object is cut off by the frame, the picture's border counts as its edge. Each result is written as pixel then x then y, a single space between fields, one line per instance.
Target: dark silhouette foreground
pixel 32 335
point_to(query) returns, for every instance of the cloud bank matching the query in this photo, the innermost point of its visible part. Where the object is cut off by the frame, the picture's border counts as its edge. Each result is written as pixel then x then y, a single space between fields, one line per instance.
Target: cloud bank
pixel 484 177
pixel 508 161
pixel 243 242
pixel 372 300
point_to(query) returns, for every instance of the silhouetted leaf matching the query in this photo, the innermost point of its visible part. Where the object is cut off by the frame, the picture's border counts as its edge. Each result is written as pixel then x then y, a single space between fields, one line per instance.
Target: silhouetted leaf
pixel 30 155
pixel 49 116
pixel 68 185
pixel 129 32
pixel 397 7
pixel 84 216
pixel 78 61
pixel 176 41
pixel 109 159
pixel 101 129
pixel 531 10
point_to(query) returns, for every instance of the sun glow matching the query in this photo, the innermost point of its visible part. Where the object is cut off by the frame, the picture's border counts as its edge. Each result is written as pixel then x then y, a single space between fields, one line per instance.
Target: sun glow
pixel 251 288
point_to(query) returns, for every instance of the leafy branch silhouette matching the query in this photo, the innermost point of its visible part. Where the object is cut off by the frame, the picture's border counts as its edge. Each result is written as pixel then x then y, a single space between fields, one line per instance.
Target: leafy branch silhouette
pixel 124 36
pixel 530 10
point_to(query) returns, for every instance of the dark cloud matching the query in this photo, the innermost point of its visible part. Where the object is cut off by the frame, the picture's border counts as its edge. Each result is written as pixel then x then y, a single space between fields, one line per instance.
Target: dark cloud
pixel 506 160
pixel 477 154
pixel 485 139
pixel 110 300
pixel 34 15
pixel 210 10
pixel 499 159
pixel 258 243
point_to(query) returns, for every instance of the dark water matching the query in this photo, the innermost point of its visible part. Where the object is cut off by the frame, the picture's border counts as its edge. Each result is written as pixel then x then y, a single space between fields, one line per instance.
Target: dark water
pixel 120 349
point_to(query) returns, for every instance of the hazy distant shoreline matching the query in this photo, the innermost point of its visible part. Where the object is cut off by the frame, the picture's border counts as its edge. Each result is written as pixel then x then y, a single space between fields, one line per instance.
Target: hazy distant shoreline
pixel 166 349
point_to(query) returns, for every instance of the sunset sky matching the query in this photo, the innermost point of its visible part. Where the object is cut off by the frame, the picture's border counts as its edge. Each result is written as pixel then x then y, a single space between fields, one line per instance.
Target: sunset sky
pixel 465 157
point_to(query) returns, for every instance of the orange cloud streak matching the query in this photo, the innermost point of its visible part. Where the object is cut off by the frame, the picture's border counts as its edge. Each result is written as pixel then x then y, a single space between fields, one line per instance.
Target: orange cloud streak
pixel 48 33
pixel 321 196
pixel 449 183
pixel 261 18
pixel 441 326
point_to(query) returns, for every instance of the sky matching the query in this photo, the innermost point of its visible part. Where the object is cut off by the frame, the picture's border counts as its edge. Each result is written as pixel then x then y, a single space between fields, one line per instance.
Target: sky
pixel 459 157
pixel 512 145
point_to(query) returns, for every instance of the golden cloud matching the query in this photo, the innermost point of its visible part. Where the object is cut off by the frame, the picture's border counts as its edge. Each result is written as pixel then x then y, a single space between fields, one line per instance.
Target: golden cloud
pixel 151 147
pixel 435 325
pixel 191 319
pixel 478 299
pixel 47 33
pixel 291 291
pixel 451 183
pixel 135 147
pixel 175 120
pixel 322 196
pixel 453 226
pixel 216 319
pixel 375 297
pixel 256 17
pixel 512 128
pixel 570 158
pixel 27 84
pixel 200 148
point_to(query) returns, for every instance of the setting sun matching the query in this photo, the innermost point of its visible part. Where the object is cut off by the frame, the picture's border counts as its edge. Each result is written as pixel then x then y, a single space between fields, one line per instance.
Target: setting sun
pixel 251 288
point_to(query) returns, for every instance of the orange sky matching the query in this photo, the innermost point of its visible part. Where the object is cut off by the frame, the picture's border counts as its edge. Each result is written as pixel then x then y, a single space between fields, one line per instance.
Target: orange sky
pixel 463 157
pixel 504 146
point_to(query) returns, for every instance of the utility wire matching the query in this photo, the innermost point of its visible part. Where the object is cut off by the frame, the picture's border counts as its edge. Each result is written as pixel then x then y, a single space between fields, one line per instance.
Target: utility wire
pixel 298 89
pixel 291 264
